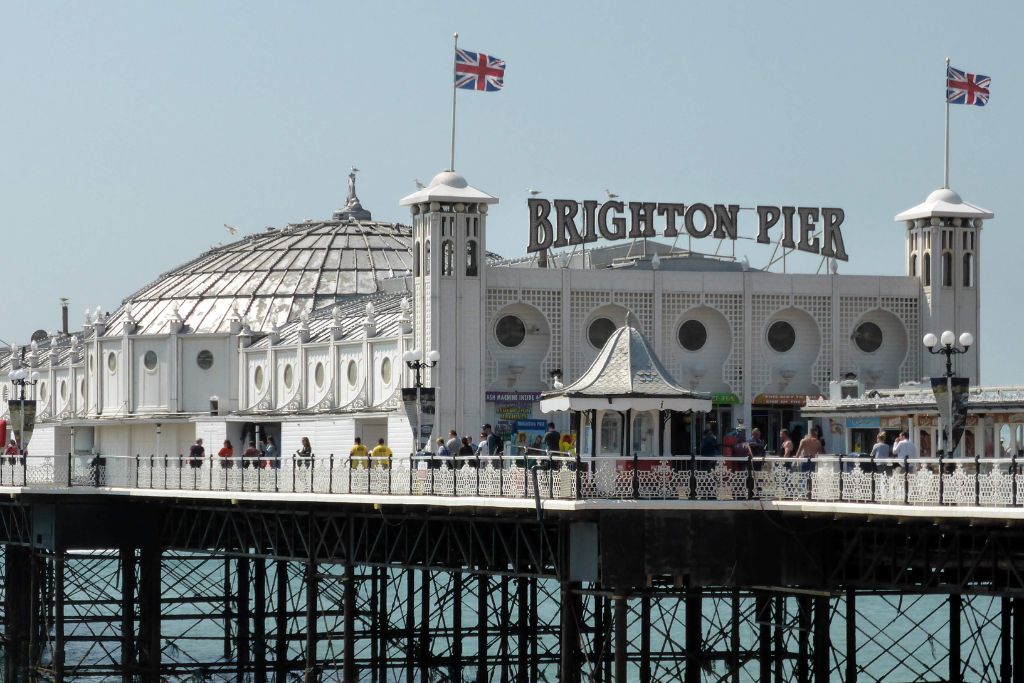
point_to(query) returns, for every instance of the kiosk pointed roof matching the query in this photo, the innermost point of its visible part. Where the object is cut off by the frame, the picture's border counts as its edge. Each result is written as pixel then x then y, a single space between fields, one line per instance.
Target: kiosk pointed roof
pixel 944 203
pixel 626 374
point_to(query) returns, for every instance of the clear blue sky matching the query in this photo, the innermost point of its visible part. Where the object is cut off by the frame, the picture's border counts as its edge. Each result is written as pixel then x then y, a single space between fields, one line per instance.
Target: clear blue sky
pixel 132 131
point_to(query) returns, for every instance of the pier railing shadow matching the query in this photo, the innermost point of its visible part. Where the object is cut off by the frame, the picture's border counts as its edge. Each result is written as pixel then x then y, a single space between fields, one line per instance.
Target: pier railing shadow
pixel 973 481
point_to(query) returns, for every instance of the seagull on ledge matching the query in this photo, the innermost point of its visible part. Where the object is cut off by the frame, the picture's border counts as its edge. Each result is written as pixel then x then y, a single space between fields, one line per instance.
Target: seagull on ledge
pixel 611 195
pixel 233 231
pixel 533 193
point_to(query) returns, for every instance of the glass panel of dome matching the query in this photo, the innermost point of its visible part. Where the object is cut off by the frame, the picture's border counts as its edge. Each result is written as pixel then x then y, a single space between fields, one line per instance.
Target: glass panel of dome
pixel 348 259
pixel 316 260
pixel 328 284
pixel 365 282
pixel 332 259
pixel 249 285
pixel 308 281
pixel 322 242
pixel 346 282
pixel 301 259
pixel 271 282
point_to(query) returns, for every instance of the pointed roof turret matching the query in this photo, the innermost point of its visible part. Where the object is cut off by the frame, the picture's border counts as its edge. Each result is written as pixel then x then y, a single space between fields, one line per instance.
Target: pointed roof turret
pixel 626 374
pixel 944 203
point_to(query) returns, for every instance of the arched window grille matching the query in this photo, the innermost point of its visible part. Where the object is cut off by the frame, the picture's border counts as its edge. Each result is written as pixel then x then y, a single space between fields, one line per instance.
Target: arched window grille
pixel 926 269
pixel 472 258
pixel 947 269
pixel 447 258
pixel 968 269
pixel 416 259
pixel 913 265
pixel 426 257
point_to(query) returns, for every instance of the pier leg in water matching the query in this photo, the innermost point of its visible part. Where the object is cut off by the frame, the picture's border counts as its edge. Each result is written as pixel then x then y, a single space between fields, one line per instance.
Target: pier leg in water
pixel 822 610
pixel 349 655
pixel 955 669
pixel 281 622
pixel 242 609
pixel 694 659
pixel 621 612
pixel 483 586
pixel 851 636
pixel 127 559
pixel 149 613
pixel 58 621
pixel 763 610
pixel 312 594
pixel 259 620
pixel 570 634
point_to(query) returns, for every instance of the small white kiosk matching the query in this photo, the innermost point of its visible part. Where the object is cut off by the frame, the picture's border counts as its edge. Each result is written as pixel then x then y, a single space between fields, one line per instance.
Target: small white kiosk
pixel 619 407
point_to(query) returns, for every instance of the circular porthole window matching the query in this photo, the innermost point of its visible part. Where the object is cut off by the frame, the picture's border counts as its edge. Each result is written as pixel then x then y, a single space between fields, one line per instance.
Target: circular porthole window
pixel 385 370
pixel 92 363
pixel 81 387
pixel 149 360
pixel 868 337
pixel 319 375
pixel 693 335
pixel 289 375
pixel 204 359
pixel 43 392
pixel 257 377
pixel 599 331
pixel 781 336
pixel 352 373
pixel 63 390
pixel 112 361
pixel 510 331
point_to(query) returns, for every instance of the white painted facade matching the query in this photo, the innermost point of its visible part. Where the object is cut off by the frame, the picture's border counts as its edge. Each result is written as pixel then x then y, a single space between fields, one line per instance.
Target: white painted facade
pixel 333 372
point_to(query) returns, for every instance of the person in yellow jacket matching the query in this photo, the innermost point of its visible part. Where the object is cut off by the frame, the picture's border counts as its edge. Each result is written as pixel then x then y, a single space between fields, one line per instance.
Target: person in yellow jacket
pixel 358 454
pixel 381 454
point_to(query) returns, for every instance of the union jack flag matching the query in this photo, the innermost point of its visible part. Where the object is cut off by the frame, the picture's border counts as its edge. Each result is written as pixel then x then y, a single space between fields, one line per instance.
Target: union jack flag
pixel 965 88
pixel 477 71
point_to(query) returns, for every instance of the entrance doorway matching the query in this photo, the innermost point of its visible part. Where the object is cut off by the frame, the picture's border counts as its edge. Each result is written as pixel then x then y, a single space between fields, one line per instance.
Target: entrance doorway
pixel 770 421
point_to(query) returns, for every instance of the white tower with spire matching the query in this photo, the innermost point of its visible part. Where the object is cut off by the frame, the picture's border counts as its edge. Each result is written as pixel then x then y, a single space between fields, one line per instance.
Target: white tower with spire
pixel 449 219
pixel 943 249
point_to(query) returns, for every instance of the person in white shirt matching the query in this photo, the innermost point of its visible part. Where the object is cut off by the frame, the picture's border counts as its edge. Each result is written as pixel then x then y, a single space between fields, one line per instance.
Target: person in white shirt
pixel 905 448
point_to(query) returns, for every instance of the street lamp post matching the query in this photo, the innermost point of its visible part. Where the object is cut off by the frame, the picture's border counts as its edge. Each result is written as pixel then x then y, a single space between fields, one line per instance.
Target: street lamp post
pixel 946 346
pixel 21 378
pixel 414 360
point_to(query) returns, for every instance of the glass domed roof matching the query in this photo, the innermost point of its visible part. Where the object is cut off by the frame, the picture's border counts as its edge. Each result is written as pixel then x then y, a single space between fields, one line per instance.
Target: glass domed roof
pixel 272 277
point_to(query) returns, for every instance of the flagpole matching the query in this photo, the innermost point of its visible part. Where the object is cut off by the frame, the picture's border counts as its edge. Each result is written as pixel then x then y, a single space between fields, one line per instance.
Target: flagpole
pixel 945 166
pixel 451 165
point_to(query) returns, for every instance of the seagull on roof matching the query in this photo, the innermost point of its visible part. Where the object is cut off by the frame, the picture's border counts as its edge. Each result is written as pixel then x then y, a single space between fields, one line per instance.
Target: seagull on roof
pixel 232 231
pixel 419 185
pixel 533 193
pixel 611 195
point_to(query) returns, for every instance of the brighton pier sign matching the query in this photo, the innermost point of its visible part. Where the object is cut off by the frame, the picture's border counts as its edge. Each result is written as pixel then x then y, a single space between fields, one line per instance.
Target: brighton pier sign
pixel 560 224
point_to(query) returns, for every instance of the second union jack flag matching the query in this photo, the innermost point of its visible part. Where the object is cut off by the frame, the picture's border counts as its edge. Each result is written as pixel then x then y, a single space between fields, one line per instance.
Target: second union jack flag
pixel 965 88
pixel 477 71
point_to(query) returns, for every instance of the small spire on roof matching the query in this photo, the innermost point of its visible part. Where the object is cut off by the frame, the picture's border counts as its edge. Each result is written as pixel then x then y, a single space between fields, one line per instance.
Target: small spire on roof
pixel 630 319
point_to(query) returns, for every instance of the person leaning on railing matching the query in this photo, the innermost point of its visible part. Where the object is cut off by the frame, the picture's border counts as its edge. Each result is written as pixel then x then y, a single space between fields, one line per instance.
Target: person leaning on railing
pixel 305 453
pixel 225 454
pixel 358 454
pixel 381 454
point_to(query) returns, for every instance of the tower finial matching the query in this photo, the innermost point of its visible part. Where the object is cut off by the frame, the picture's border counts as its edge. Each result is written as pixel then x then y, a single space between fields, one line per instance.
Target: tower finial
pixel 352 209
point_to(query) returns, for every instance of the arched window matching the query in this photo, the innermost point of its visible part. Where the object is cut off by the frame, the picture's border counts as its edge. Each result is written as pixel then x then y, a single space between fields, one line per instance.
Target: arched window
pixel 643 433
pixel 472 268
pixel 968 269
pixel 947 269
pixel 447 258
pixel 926 269
pixel 611 433
pixel 426 257
pixel 913 265
pixel 416 259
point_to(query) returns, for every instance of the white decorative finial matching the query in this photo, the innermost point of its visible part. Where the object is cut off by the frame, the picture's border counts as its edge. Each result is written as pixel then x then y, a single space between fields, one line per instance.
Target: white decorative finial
pixel 404 306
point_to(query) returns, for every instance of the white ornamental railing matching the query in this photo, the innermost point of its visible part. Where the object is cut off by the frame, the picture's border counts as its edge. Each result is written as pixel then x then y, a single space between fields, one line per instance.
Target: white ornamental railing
pixel 990 482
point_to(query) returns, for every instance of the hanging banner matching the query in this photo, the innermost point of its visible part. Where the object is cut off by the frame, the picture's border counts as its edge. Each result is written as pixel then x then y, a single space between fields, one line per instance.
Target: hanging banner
pixel 22 421
pixel 952 409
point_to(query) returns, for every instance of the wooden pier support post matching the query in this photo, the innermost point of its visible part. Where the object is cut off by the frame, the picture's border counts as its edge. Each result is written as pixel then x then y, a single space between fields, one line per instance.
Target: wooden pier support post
pixel 955 664
pixel 779 620
pixel 734 635
pixel 383 628
pixel 570 635
pixel 348 667
pixel 242 610
pixel 281 664
pixel 694 632
pixel 410 626
pixel 149 613
pixel 259 619
pixel 127 614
